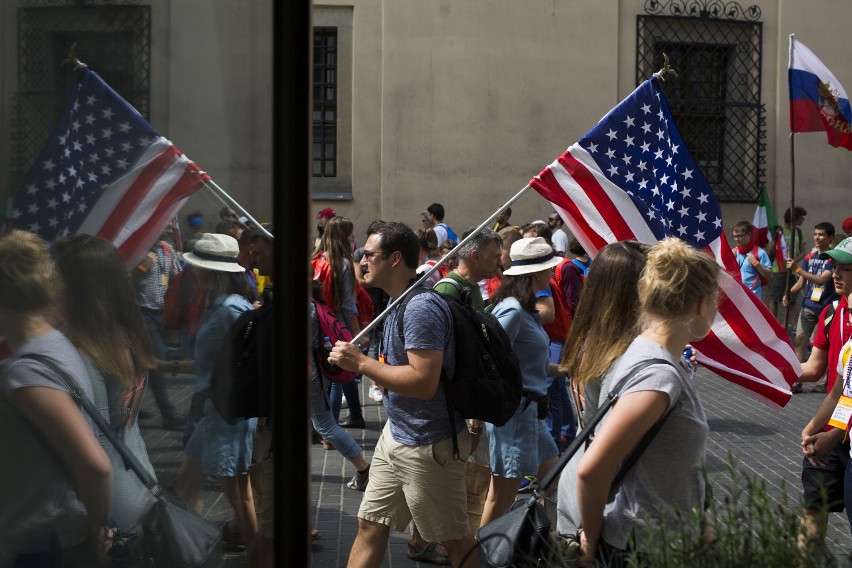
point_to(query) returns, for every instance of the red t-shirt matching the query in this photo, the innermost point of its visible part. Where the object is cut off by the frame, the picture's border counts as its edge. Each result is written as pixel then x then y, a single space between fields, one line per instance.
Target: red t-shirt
pixel 839 331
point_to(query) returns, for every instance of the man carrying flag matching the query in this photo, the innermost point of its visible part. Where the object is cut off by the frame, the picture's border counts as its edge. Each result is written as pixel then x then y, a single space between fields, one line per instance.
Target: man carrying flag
pixel 631 177
pixel 779 248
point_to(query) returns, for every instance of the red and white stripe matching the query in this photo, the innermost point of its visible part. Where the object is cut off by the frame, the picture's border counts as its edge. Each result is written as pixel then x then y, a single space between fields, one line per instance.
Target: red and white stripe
pixel 746 345
pixel 132 212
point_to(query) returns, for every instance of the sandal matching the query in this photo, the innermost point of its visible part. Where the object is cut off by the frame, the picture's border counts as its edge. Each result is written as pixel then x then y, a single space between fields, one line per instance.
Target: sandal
pixel 428 553
pixel 326 443
pixel 820 387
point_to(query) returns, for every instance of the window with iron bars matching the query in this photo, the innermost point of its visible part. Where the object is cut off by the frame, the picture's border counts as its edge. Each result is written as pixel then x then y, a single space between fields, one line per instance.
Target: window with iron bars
pixel 324 148
pixel 715 99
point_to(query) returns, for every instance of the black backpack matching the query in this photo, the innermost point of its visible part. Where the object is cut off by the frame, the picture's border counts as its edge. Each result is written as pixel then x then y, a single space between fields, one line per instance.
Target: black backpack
pixel 487 384
pixel 241 380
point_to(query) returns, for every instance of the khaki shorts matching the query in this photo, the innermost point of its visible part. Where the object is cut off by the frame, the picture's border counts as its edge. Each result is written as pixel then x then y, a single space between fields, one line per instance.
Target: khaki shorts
pixel 423 483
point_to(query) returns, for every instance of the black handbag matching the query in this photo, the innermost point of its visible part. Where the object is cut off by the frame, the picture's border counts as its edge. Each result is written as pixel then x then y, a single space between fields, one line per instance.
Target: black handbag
pixel 172 535
pixel 521 537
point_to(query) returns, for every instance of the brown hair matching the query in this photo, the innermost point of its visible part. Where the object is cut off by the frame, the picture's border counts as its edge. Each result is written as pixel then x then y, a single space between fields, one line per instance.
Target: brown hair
pixel 101 314
pixel 335 244
pixel 607 315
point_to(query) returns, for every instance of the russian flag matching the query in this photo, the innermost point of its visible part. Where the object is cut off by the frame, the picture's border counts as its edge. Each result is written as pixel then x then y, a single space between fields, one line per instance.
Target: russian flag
pixel 817 99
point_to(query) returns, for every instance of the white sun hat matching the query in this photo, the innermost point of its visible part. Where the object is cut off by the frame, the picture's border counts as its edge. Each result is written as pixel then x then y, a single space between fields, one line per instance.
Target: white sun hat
pixel 216 252
pixel 531 255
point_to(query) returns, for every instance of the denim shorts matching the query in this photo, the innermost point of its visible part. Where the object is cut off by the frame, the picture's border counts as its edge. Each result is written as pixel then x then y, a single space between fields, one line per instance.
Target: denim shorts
pixel 520 445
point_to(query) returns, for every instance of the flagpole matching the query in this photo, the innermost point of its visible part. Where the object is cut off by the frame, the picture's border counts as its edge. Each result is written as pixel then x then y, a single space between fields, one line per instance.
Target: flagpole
pixel 793 231
pixel 221 194
pixel 438 265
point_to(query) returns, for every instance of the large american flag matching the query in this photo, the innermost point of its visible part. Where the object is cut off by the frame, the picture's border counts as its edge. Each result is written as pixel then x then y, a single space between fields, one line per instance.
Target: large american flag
pixel 104 171
pixel 631 177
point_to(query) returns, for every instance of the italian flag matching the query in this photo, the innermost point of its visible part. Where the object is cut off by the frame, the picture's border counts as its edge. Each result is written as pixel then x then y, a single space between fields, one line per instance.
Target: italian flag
pixel 764 221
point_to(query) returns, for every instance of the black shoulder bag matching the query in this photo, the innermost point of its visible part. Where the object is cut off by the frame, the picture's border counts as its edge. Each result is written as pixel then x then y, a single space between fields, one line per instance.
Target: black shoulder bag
pixel 522 536
pixel 172 535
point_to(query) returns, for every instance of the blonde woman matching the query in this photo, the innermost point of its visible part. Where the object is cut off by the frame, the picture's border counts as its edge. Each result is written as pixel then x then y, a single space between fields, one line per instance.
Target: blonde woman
pixel 57 490
pixel 677 296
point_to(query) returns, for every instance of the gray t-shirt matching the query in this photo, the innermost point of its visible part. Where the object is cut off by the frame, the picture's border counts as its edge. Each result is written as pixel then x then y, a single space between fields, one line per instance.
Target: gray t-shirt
pixel 36 494
pixel 427 324
pixel 668 473
pixel 131 498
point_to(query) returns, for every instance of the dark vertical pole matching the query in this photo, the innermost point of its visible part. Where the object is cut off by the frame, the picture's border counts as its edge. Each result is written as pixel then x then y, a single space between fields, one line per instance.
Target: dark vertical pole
pixel 793 231
pixel 291 190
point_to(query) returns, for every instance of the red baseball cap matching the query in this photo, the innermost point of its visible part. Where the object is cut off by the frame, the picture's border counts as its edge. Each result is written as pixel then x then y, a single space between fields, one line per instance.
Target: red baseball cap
pixel 847 225
pixel 328 213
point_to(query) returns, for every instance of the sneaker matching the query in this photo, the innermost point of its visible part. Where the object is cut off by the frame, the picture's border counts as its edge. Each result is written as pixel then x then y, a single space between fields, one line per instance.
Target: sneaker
pixel 526 484
pixel 359 481
pixel 376 393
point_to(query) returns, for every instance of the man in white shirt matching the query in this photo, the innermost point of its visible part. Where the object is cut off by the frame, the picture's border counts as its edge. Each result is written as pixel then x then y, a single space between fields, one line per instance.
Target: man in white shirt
pixel 559 240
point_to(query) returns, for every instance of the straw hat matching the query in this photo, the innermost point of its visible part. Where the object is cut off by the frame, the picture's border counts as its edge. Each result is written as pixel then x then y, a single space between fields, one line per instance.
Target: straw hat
pixel 531 255
pixel 217 252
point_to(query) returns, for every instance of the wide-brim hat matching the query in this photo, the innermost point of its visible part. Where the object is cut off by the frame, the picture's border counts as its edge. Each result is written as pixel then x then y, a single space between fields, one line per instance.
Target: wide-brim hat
pixel 841 254
pixel 217 252
pixel 531 255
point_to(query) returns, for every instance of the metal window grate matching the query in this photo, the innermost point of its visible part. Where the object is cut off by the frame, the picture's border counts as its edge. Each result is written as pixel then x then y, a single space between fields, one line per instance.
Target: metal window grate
pixel 715 99
pixel 113 40
pixel 324 145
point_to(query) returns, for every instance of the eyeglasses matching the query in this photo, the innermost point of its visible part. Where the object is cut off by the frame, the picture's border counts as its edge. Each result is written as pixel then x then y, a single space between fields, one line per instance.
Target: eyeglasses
pixel 736 236
pixel 369 254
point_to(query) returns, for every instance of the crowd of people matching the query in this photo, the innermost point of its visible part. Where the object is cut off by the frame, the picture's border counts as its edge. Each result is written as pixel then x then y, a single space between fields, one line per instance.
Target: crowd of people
pixel 74 304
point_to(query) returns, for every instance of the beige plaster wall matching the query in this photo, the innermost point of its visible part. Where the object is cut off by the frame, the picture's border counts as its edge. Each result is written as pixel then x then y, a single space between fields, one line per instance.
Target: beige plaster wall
pixel 220 97
pixel 823 174
pixel 479 96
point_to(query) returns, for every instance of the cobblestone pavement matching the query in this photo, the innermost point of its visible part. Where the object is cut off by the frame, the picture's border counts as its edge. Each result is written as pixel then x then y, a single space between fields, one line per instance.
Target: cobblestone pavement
pixel 764 441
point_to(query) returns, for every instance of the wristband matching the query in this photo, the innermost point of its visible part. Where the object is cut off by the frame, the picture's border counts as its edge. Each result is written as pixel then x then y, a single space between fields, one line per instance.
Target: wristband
pixel 798 270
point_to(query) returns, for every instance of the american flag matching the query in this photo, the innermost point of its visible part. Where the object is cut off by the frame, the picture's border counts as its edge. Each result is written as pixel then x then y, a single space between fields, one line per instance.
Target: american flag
pixel 632 178
pixel 104 171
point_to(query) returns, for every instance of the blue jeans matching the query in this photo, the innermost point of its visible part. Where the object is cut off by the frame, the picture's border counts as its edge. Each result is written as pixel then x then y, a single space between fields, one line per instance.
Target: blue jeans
pixel 847 494
pixel 560 420
pixel 326 425
pixel 353 398
pixel 156 379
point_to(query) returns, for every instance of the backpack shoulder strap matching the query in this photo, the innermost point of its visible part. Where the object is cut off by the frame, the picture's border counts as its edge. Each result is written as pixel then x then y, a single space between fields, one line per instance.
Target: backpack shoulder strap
pixel 830 312
pixel 634 456
pixel 415 292
pixel 448 280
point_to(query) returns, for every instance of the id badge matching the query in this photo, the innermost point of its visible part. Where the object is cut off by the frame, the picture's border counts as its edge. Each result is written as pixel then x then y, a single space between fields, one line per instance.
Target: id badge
pixel 842 415
pixel 816 294
pixel 164 279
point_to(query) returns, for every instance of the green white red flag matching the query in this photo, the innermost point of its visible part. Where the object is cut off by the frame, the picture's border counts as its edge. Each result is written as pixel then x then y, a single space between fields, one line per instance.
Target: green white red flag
pixel 765 224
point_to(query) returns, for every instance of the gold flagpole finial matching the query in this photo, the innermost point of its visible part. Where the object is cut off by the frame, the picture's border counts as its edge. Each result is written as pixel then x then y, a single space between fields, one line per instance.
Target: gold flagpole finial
pixel 72 59
pixel 661 74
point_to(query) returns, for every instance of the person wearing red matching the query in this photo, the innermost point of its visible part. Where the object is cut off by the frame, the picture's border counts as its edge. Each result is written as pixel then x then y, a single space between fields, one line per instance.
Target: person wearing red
pixel 825 452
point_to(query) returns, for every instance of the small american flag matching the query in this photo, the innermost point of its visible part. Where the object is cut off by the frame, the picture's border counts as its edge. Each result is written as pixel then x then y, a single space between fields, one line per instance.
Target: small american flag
pixel 632 178
pixel 104 171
